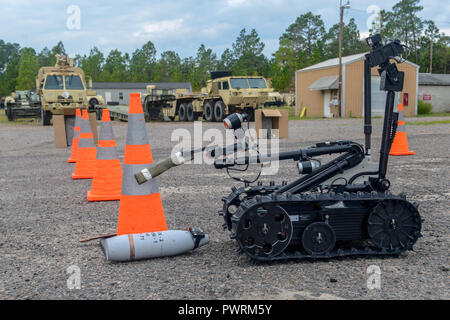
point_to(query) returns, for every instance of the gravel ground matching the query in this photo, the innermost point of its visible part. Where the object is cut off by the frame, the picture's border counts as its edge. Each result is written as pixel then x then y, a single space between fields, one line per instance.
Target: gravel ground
pixel 44 214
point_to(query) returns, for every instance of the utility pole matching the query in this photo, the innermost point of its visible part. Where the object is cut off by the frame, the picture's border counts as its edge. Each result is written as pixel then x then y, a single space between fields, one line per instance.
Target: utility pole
pixel 431 49
pixel 341 31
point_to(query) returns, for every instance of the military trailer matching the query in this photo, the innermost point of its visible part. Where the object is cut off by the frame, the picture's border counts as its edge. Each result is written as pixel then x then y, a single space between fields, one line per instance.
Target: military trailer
pixel 22 104
pixel 224 94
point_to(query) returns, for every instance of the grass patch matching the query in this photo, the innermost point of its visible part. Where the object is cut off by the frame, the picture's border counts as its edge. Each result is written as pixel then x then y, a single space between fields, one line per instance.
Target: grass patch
pixel 435 114
pixel 293 116
pixel 24 121
pixel 424 107
pixel 426 123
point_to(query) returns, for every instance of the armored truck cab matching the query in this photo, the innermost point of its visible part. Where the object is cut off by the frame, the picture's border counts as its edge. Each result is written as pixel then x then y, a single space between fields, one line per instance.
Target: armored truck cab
pixel 62 89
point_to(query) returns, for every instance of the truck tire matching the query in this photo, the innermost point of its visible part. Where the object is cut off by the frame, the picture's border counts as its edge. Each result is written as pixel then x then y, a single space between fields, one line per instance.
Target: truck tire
pixel 46 117
pixel 93 102
pixel 209 112
pixel 182 112
pixel 251 114
pixel 190 115
pixel 219 111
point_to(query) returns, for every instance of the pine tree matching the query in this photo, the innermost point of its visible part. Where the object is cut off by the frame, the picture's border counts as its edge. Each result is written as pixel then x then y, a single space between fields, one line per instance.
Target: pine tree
pixel 28 69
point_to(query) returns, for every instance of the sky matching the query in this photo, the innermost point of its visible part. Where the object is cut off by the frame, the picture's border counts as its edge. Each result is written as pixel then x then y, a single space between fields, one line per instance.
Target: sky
pixel 178 25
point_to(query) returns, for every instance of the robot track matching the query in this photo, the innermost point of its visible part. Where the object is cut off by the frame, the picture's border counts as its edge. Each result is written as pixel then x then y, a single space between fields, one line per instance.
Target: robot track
pixel 321 225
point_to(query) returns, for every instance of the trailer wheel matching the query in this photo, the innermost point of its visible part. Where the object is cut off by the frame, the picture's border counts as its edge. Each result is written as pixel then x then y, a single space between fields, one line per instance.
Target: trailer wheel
pixel 190 115
pixel 182 112
pixel 219 111
pixel 209 112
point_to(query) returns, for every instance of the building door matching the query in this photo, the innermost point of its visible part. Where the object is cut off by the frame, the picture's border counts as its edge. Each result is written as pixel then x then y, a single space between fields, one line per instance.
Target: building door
pixel 326 104
pixel 108 97
pixel 379 98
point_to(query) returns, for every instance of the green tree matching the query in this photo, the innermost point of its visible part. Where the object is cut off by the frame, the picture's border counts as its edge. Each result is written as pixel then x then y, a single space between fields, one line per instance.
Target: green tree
pixel 404 24
pixel 351 40
pixel 11 74
pixel 187 70
pixel 305 34
pixel 46 58
pixel 441 49
pixel 284 66
pixel 226 61
pixel 248 54
pixel 92 64
pixel 115 68
pixel 9 66
pixel 205 62
pixel 168 67
pixel 7 51
pixel 142 63
pixel 301 45
pixel 28 69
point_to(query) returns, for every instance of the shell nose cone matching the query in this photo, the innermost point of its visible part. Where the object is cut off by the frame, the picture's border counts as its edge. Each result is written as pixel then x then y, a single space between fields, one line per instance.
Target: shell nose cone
pixel 204 241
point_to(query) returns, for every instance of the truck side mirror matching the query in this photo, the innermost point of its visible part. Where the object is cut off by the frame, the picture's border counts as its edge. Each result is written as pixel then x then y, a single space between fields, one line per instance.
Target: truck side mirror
pixel 90 84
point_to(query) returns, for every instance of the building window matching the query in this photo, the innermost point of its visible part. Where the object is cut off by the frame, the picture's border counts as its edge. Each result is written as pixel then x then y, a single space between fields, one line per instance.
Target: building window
pixel 120 95
pixel 334 94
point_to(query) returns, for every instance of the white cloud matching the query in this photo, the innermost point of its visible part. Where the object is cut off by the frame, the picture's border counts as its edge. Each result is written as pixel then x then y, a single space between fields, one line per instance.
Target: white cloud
pixel 162 29
pixel 179 25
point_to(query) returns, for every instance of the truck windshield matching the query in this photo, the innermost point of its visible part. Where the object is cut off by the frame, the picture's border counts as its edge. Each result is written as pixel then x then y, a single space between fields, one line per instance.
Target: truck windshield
pixel 74 83
pixel 239 83
pixel 257 83
pixel 54 83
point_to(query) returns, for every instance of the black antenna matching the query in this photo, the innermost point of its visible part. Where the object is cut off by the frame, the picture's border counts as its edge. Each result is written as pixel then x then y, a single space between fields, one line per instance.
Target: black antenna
pixel 367 105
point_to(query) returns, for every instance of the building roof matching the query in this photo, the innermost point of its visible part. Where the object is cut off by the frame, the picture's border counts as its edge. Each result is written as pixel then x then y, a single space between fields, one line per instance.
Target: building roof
pixel 345 60
pixel 141 85
pixel 334 62
pixel 326 83
pixel 428 79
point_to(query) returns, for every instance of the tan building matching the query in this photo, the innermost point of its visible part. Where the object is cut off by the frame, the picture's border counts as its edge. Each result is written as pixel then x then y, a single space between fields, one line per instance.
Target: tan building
pixel 316 88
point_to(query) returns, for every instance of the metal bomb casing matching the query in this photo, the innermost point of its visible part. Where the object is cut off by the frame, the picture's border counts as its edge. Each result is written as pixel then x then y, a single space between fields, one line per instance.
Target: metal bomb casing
pixel 152 245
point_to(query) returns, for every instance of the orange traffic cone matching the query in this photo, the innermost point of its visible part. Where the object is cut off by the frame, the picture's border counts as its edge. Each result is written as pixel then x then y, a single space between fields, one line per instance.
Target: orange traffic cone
pixel 141 209
pixel 86 155
pixel 76 137
pixel 107 183
pixel 400 145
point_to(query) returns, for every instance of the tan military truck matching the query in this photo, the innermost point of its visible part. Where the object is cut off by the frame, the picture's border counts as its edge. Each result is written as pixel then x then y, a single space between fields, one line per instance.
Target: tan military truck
pixel 224 94
pixel 63 89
